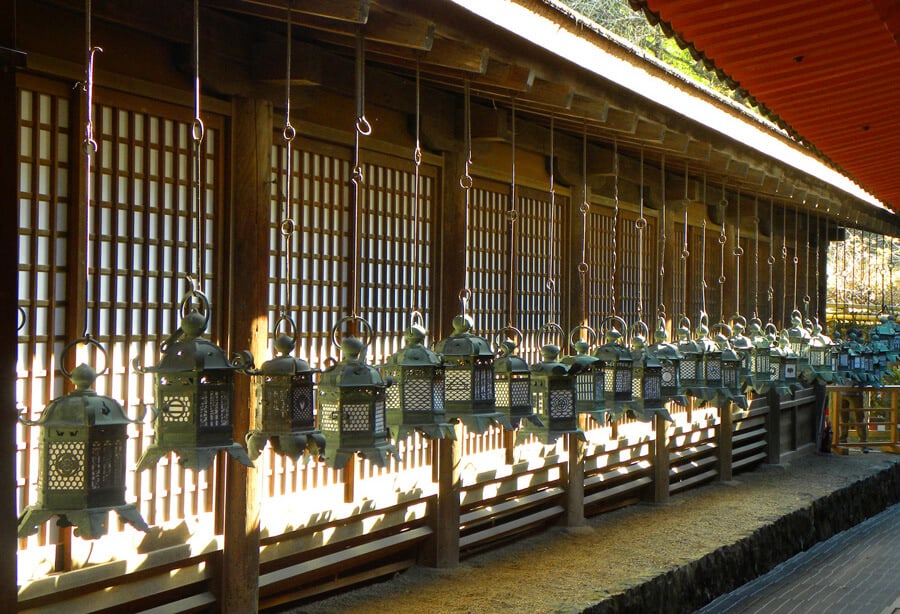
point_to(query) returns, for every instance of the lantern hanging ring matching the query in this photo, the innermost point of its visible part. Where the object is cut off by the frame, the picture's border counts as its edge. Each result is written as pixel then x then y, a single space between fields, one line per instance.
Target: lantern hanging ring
pixel 638 327
pixel 592 334
pixel 85 340
pixel 367 330
pixel 549 328
pixel 516 335
pixel 292 326
pixel 23 317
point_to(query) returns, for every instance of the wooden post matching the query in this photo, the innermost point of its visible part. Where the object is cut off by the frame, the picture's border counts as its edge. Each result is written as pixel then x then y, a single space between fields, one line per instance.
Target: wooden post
pixel 660 458
pixel 249 219
pixel 724 441
pixel 445 521
pixel 9 169
pixel 575 481
pixel 773 430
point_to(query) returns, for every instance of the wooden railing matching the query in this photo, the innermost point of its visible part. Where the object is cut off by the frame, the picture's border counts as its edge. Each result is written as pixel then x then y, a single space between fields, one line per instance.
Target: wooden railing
pixel 864 418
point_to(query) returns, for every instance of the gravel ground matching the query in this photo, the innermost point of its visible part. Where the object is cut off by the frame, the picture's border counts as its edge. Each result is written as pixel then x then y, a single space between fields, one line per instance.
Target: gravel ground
pixel 568 569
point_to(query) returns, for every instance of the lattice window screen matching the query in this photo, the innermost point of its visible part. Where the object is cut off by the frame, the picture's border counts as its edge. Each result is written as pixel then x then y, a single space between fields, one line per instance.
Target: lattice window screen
pixel 43 202
pixel 143 246
pixel 599 261
pixel 489 257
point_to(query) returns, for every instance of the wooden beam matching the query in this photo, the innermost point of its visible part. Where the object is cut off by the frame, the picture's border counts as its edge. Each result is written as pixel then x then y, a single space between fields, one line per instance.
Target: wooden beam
pixel 353 11
pixel 268 57
pixel 250 172
pixel 443 53
pixel 550 94
pixel 9 132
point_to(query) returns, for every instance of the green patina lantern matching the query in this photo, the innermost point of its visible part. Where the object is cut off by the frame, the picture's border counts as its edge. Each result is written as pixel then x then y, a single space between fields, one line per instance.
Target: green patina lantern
pixel 469 377
pixel 760 379
pixel 646 378
pixel 81 476
pixel 670 358
pixel 783 362
pixel 589 394
pixel 820 361
pixel 194 386
pixel 840 357
pixel 553 393
pixel 731 366
pixel 895 340
pixel 704 360
pixel 798 336
pixel 887 334
pixel 512 380
pixel 691 367
pixel 415 400
pixel 352 413
pixel 616 364
pixel 285 403
pixel 743 346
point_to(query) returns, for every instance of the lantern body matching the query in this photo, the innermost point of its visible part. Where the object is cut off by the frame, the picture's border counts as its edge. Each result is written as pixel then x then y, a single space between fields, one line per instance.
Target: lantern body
pixel 589 393
pixel 81 476
pixel 512 387
pixel 468 377
pixel 647 396
pixel 743 347
pixel 194 385
pixel 285 408
pixel 615 363
pixel 798 338
pixel 553 395
pixel 352 413
pixel 415 399
pixel 670 370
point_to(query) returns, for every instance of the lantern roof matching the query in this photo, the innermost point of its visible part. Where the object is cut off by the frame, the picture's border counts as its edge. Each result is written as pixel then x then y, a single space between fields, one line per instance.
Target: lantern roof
pixel 550 363
pixel 415 353
pixel 352 371
pixel 285 364
pixel 508 361
pixel 462 342
pixel 83 406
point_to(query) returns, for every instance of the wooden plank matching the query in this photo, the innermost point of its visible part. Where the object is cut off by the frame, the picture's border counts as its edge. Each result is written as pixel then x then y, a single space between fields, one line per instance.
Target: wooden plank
pixel 321 566
pixel 615 491
pixel 695 480
pixel 494 512
pixel 750 460
pixel 195 603
pixel 508 528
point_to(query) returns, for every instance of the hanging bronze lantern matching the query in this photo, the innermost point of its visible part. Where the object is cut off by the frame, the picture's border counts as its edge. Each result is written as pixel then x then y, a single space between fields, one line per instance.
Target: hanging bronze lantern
pixel 81 476
pixel 512 380
pixel 760 379
pixel 743 346
pixel 615 362
pixel 731 366
pixel 285 402
pixel 798 337
pixel 784 365
pixel 670 358
pixel 352 414
pixel 888 336
pixel 589 395
pixel 646 378
pixel 553 395
pixel 840 357
pixel 468 377
pixel 194 386
pixel 691 367
pixel 820 362
pixel 415 400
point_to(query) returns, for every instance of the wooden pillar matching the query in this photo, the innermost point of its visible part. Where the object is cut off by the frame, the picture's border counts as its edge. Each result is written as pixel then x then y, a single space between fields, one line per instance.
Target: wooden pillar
pixel 773 430
pixel 660 459
pixel 249 223
pixel 445 516
pixel 452 257
pixel 9 60
pixel 724 441
pixel 575 482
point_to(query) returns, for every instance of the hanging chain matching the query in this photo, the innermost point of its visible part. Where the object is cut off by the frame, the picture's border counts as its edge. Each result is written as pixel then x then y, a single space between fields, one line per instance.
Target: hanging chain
pixel 703 266
pixel 417 160
pixel 197 133
pixel 661 249
pixel 615 222
pixel 551 252
pixel 465 182
pixel 818 256
pixel 891 273
pixel 806 298
pixel 639 224
pixel 738 251
pixel 512 216
pixel 287 223
pixel 723 239
pixel 796 259
pixel 756 257
pixel 89 148
pixel 584 208
pixel 770 291
pixel 784 269
pixel 883 271
pixel 685 253
pixel 363 128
